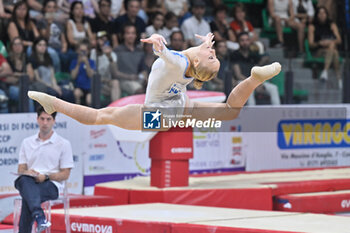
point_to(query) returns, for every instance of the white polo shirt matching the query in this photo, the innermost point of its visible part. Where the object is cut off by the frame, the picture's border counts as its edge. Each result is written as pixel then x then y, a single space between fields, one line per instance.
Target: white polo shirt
pixel 47 156
pixel 192 26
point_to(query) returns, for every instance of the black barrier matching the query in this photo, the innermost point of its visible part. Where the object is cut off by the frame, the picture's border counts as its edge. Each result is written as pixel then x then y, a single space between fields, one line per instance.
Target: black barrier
pixel 23 103
pixel 96 91
pixel 346 34
pixel 288 82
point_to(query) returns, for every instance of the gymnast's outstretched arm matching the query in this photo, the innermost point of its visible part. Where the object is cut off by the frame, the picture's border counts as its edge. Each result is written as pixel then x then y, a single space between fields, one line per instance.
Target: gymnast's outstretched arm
pixel 127 117
pixel 237 98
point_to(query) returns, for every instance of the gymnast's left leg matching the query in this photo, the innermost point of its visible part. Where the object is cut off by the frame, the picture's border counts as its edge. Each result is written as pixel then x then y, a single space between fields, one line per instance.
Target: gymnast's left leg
pixel 127 117
pixel 237 98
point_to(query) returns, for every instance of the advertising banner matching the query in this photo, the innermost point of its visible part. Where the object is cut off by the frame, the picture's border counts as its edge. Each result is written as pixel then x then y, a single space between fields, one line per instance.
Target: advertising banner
pixel 261 138
pixel 297 137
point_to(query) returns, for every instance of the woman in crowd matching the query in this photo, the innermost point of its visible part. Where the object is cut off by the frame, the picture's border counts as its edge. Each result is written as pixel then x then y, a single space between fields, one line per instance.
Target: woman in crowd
pixel 282 14
pixel 52 29
pixel 78 28
pixel 221 28
pixel 106 62
pixel 241 24
pixel 157 24
pixel 22 26
pixel 18 62
pixel 304 11
pixel 324 37
pixel 44 75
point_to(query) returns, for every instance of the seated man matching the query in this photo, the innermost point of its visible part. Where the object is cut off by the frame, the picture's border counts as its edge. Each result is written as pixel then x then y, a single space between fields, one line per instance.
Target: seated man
pixel 243 60
pixel 45 161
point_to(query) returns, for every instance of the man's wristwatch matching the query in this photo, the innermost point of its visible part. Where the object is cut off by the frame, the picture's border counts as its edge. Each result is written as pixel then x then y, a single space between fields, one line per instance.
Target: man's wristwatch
pixel 47 177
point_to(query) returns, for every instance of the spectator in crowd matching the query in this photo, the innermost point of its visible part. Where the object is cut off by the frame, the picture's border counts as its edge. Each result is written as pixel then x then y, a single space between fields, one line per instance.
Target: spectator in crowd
pixel 151 7
pixel 78 28
pixel 324 37
pixel 21 25
pixel 117 8
pixel 89 7
pixel 221 28
pixel 217 83
pixel 35 9
pixel 5 7
pixel 103 22
pixel 147 62
pixel 106 62
pixel 178 7
pixel 64 6
pixel 196 24
pixel 304 11
pixel 45 161
pixel 331 6
pixel 171 25
pixel 44 74
pixel 129 73
pixel 82 70
pixel 130 17
pixel 53 31
pixel 243 60
pixel 5 71
pixel 225 72
pixel 157 23
pixel 282 14
pixel 3 101
pixel 19 66
pixel 240 24
pixel 177 41
pixel 52 28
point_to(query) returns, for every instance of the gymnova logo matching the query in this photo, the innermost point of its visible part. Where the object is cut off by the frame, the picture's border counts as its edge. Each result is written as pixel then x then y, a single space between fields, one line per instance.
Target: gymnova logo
pixel 153 120
pixel 328 133
pixel 93 228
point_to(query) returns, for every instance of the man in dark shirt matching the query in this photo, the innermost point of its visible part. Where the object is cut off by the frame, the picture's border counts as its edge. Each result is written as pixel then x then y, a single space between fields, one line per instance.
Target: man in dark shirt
pixel 177 41
pixel 130 63
pixel 103 22
pixel 244 60
pixel 132 7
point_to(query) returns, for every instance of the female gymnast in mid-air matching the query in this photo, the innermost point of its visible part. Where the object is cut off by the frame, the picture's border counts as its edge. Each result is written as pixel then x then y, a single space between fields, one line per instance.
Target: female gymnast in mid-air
pixel 167 82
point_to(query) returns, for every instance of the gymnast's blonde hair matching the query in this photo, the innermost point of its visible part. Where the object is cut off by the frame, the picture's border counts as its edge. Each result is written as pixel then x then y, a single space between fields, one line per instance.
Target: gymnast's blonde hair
pixel 202 74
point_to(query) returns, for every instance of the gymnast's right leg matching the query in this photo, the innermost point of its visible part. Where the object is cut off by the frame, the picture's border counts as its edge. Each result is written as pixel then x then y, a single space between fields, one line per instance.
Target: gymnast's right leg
pixel 127 117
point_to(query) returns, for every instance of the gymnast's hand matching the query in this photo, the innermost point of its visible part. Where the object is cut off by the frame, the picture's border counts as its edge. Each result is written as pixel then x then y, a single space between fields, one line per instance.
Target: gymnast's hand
pixel 208 39
pixel 157 40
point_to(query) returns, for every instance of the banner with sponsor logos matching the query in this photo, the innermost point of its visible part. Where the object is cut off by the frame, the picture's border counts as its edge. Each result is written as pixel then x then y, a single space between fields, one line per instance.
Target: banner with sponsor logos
pixel 109 159
pixel 297 137
pixel 261 138
pixel 15 127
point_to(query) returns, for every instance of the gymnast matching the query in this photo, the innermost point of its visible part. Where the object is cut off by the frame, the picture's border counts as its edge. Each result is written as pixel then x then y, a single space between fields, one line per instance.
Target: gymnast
pixel 167 82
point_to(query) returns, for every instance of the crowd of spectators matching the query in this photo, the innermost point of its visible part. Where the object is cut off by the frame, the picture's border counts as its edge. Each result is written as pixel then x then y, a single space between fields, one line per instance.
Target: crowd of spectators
pixel 61 44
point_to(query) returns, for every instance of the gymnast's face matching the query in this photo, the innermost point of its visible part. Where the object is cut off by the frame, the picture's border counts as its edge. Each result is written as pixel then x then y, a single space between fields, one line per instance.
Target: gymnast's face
pixel 207 58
